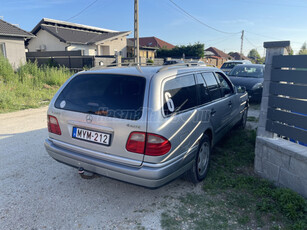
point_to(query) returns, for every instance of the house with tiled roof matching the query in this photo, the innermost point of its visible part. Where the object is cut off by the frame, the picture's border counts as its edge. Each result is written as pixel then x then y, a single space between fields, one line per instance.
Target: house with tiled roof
pixel 12 43
pixel 155 43
pixel 216 57
pixel 55 35
pixel 238 56
pixel 148 46
pixel 145 52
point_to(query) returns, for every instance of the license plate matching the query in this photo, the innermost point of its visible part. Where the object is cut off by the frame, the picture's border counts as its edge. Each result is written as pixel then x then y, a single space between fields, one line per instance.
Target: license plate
pixel 92 136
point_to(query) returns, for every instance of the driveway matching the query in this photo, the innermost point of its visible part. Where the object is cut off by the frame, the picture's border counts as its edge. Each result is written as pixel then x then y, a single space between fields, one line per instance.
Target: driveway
pixel 36 192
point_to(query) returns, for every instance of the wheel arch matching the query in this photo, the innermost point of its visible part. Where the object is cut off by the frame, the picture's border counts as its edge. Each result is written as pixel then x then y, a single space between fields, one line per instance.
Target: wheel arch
pixel 209 133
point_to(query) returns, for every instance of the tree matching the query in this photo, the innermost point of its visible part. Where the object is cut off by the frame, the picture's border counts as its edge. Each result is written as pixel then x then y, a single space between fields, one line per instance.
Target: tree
pixel 254 56
pixel 196 50
pixel 303 50
pixel 290 51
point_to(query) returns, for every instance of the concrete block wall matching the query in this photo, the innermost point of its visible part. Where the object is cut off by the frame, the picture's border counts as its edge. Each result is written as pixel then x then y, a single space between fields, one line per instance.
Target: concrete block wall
pixel 282 162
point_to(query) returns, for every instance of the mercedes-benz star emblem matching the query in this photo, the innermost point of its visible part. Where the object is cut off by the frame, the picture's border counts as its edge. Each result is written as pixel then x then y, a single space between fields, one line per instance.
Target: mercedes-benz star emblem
pixel 89 118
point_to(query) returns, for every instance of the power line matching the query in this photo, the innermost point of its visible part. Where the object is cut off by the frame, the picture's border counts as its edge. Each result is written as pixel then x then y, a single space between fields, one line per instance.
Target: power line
pixel 199 21
pixel 252 44
pixel 84 9
pixel 220 40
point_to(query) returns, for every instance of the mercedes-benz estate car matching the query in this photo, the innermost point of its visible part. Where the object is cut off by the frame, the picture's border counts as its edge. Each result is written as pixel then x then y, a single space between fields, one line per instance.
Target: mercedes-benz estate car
pixel 143 125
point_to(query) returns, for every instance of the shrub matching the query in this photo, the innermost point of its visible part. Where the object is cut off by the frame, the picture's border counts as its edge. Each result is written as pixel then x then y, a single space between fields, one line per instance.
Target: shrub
pixel 6 70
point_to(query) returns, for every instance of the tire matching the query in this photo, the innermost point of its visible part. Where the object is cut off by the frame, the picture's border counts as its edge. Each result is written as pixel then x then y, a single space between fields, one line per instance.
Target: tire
pixel 242 122
pixel 199 170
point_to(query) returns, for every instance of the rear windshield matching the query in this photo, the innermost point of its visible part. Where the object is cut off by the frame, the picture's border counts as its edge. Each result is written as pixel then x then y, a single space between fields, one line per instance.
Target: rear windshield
pixel 247 71
pixel 230 65
pixel 108 95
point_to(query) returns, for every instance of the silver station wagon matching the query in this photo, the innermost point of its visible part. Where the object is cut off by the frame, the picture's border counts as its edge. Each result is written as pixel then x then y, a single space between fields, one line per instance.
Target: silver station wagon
pixel 143 125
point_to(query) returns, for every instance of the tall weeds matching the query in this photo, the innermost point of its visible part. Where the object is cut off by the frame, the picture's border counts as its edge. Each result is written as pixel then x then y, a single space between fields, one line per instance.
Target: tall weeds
pixel 30 86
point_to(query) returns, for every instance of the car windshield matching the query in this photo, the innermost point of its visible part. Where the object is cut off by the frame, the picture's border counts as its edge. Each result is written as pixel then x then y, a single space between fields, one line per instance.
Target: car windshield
pixel 230 65
pixel 108 95
pixel 247 71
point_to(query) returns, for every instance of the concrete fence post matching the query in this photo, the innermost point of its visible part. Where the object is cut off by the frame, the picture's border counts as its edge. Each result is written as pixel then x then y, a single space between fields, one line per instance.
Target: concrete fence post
pixel 272 49
pixel 276 159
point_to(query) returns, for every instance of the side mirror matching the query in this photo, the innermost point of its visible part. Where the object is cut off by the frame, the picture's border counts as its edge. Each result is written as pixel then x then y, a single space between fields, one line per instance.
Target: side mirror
pixel 241 89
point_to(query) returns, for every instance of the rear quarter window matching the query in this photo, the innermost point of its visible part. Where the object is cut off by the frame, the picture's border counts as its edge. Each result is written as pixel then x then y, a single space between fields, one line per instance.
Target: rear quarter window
pixel 110 95
pixel 179 94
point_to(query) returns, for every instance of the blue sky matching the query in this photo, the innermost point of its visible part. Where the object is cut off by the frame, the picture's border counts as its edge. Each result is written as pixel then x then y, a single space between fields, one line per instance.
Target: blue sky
pixel 262 20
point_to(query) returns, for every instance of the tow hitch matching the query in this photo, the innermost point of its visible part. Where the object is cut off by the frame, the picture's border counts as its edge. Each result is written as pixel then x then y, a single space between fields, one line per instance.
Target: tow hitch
pixel 86 175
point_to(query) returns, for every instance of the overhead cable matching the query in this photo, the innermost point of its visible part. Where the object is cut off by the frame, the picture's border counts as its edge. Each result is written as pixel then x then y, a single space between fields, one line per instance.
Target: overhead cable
pixel 199 21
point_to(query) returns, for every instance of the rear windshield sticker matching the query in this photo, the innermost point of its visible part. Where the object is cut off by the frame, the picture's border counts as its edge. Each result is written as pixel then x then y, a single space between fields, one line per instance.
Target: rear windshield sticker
pixel 169 102
pixel 62 104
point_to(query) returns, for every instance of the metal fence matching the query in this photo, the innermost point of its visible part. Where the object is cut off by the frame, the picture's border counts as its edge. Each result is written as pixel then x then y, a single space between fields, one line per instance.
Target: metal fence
pixel 74 60
pixel 287 111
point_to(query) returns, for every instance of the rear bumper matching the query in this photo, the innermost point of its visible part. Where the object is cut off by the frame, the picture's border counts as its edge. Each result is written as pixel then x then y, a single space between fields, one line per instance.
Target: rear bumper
pixel 148 175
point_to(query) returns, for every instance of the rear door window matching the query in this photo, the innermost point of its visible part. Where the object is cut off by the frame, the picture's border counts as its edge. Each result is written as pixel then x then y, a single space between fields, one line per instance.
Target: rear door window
pixel 179 94
pixel 108 95
pixel 213 86
pixel 204 96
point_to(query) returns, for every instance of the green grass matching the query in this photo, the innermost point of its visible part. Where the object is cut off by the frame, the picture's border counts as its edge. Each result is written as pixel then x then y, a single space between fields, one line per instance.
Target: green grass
pixel 234 197
pixel 30 86
pixel 252 119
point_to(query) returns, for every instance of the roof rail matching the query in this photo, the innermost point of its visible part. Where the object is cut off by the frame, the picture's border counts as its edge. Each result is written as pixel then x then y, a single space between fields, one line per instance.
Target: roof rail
pixel 121 65
pixel 174 65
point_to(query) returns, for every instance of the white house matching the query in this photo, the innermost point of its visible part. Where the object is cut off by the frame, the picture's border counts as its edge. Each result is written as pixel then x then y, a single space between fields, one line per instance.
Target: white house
pixel 12 43
pixel 55 35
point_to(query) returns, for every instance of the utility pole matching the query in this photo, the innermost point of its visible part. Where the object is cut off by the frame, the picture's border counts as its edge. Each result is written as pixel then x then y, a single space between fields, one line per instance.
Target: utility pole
pixel 242 38
pixel 136 32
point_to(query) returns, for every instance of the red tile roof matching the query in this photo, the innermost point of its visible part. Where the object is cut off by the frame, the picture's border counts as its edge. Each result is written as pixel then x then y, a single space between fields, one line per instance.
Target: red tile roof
pixel 218 53
pixel 154 42
pixel 238 56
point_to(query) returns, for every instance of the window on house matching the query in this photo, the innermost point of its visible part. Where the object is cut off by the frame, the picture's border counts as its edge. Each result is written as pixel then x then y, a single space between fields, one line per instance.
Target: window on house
pixel 2 50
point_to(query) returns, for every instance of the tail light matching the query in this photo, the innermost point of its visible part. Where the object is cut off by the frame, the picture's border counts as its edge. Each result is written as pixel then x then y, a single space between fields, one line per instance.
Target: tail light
pixel 136 142
pixel 148 143
pixel 53 125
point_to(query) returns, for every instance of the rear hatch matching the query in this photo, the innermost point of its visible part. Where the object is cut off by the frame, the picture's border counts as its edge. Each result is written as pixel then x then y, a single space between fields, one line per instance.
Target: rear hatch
pixel 97 112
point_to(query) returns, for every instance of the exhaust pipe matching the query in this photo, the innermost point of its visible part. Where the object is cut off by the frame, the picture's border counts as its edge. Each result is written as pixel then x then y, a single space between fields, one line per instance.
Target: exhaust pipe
pixel 84 174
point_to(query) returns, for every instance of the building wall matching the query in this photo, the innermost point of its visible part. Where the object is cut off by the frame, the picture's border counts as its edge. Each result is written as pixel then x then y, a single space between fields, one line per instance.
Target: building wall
pixel 118 44
pixel 14 50
pixel 87 50
pixel 44 38
pixel 150 54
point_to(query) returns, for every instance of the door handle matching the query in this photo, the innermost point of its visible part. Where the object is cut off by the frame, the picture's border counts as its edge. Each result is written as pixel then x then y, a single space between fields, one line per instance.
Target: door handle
pixel 213 111
pixel 230 103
